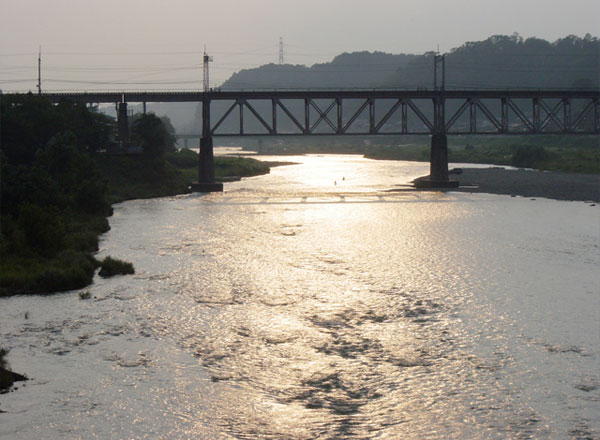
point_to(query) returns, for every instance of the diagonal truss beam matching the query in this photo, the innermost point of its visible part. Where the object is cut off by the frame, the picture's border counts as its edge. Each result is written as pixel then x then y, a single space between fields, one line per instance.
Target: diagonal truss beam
pixel 387 116
pixel 323 116
pixel 225 115
pixel 420 115
pixel 551 115
pixel 583 114
pixel 355 116
pixel 291 116
pixel 480 105
pixel 259 117
pixel 520 114
pixel 458 113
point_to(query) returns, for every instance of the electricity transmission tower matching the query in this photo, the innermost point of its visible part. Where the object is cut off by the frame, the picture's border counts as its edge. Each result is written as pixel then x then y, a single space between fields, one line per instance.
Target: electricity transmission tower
pixel 280 50
pixel 39 84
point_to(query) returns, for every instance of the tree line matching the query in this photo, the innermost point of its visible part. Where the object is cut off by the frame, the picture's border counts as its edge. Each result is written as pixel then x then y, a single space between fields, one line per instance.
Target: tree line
pixel 54 193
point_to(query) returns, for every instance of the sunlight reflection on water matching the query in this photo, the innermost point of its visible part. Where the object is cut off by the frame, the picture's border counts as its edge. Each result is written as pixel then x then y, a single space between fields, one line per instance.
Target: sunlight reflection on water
pixel 295 306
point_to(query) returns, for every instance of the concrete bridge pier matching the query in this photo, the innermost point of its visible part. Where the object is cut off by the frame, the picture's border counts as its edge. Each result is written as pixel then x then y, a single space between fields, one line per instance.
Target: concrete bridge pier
pixel 123 123
pixel 206 167
pixel 438 165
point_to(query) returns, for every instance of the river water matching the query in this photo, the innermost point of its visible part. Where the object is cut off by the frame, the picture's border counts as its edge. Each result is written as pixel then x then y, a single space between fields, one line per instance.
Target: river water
pixel 313 303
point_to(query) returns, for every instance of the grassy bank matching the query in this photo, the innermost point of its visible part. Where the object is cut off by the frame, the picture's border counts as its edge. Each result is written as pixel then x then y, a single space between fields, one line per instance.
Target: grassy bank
pixel 227 168
pixel 140 177
pixel 573 154
pixel 47 250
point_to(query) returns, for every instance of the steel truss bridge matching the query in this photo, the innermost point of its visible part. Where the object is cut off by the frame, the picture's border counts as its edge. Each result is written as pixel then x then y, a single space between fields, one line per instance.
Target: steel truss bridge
pixel 369 112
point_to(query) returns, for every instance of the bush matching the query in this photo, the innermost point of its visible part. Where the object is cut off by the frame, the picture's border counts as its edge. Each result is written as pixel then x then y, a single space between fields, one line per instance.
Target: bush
pixel 5 375
pixel 111 266
pixel 183 158
pixel 3 353
pixel 528 156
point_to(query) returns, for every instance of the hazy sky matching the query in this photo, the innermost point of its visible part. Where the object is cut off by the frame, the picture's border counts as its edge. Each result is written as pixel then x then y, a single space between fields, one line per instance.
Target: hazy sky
pixel 158 44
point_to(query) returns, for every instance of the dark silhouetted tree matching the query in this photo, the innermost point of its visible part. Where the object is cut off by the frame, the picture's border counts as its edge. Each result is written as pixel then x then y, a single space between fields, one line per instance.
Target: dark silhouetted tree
pixel 152 135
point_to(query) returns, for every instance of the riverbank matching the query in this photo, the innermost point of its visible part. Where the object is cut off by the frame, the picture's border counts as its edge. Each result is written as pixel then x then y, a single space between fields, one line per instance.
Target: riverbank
pixel 70 239
pixel 530 183
pixel 567 154
pixel 138 177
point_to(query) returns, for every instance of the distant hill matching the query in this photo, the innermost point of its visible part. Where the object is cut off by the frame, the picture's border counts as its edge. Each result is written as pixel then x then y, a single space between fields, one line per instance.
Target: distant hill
pixel 348 70
pixel 510 62
pixel 501 61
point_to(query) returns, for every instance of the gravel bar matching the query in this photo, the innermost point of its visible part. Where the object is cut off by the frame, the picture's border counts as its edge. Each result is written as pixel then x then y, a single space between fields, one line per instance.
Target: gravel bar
pixel 529 183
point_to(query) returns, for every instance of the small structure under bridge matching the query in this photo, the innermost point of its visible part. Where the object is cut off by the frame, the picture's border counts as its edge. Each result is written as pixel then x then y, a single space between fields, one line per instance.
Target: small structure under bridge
pixel 437 113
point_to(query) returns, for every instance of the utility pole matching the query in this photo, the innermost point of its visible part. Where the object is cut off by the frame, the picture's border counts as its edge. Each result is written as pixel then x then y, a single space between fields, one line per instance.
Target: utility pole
pixel 438 163
pixel 439 59
pixel 280 51
pixel 39 85
pixel 206 60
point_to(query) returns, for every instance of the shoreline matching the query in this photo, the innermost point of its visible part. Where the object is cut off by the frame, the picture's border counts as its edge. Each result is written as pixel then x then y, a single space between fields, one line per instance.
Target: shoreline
pixel 529 183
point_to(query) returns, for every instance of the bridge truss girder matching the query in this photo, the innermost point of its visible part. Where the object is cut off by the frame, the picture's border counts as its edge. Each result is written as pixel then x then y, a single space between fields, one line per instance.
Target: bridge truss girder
pixel 377 112
pixel 382 115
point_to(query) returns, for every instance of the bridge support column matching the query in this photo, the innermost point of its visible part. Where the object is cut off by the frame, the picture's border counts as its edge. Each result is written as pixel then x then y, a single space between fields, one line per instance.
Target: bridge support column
pixel 438 165
pixel 123 123
pixel 206 167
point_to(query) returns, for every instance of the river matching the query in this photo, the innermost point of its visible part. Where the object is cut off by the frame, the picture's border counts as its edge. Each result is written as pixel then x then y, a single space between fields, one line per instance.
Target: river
pixel 313 303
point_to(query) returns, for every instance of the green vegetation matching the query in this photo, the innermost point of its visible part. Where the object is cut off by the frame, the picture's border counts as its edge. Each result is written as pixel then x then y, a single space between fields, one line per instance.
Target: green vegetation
pixel 58 186
pixel 227 168
pixel 575 154
pixel 140 177
pixel 7 377
pixel 111 266
pixel 153 134
pixel 53 196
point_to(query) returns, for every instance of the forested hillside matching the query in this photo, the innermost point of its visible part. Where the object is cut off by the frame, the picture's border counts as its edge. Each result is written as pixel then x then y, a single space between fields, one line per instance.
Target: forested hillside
pixel 499 62
pixel 510 62
pixel 348 70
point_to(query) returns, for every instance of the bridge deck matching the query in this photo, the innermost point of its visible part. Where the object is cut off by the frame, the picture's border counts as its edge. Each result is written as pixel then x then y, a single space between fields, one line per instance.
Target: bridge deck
pixel 197 96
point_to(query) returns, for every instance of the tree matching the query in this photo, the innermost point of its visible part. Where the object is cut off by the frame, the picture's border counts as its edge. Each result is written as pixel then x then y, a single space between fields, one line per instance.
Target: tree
pixel 152 135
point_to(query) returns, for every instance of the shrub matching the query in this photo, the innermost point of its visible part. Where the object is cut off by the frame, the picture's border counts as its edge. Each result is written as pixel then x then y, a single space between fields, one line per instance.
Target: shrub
pixel 3 353
pixel 5 375
pixel 184 158
pixel 528 156
pixel 112 266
